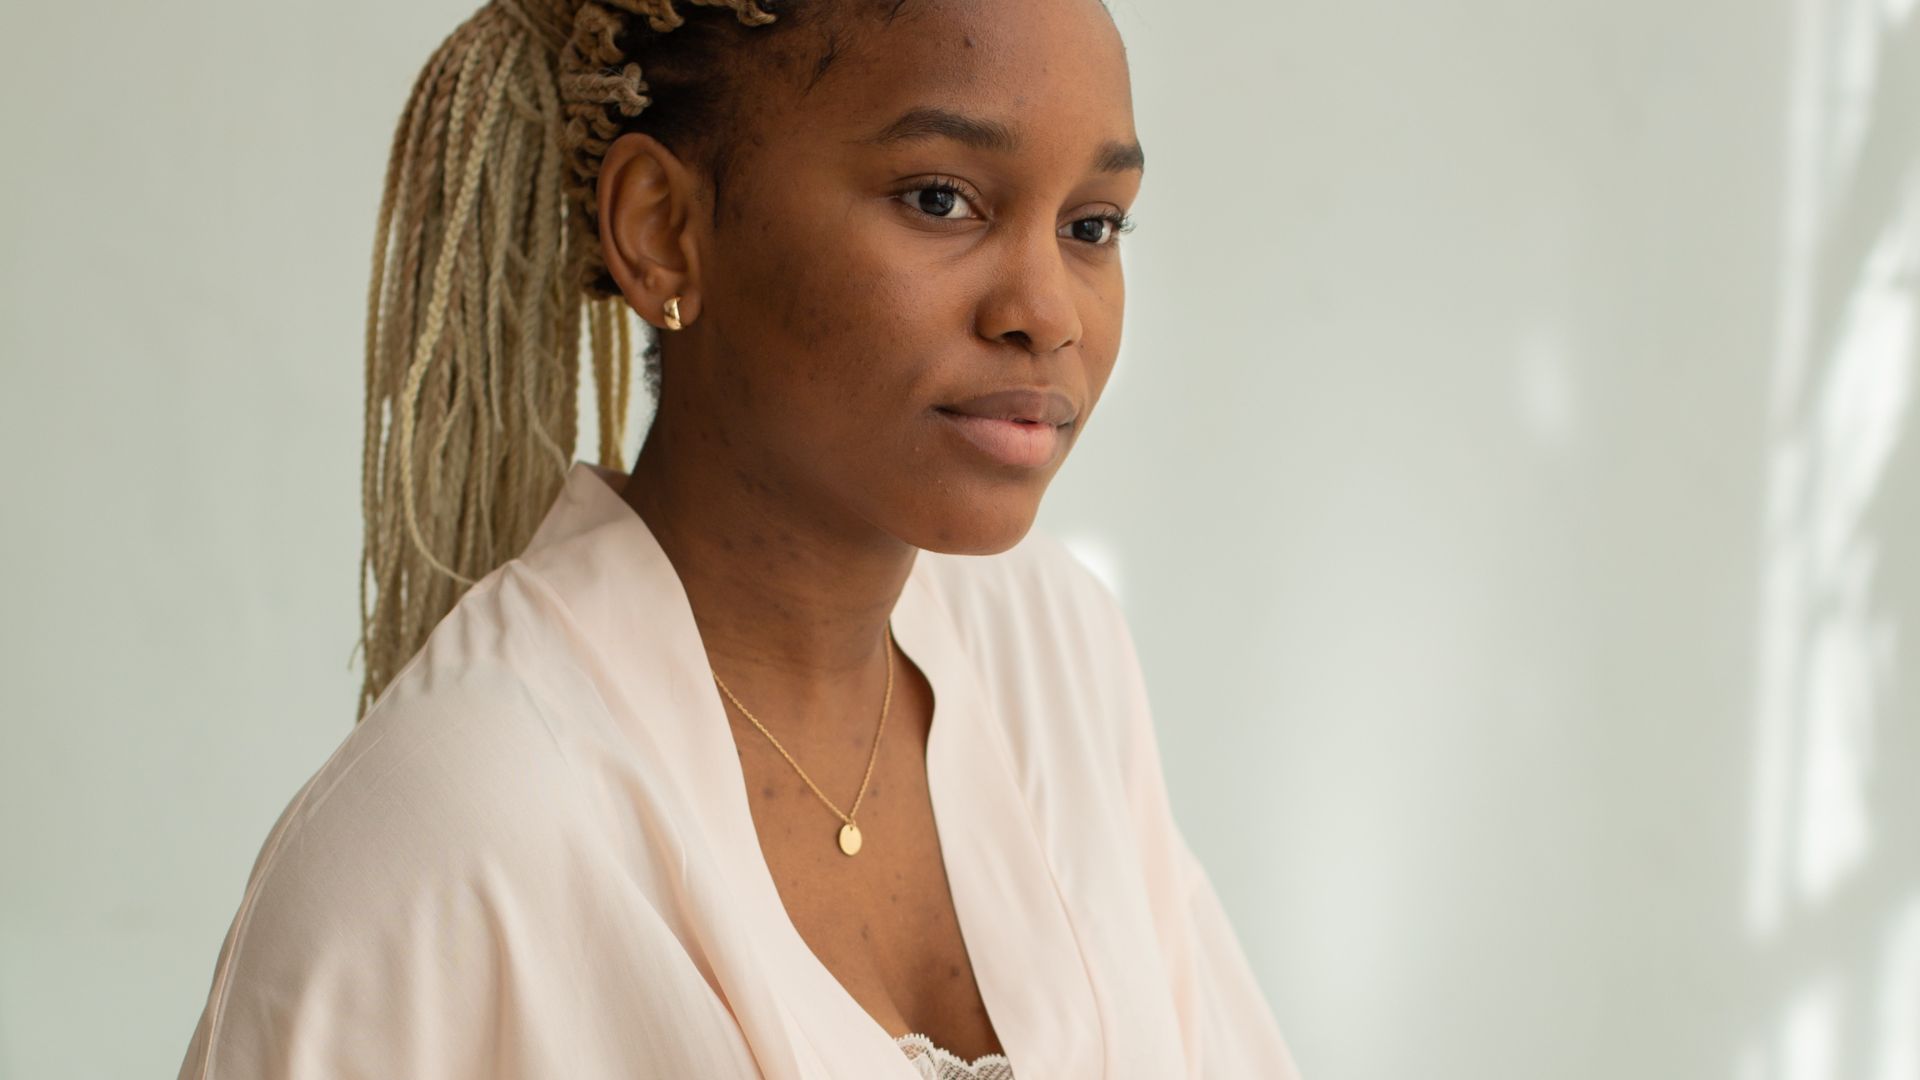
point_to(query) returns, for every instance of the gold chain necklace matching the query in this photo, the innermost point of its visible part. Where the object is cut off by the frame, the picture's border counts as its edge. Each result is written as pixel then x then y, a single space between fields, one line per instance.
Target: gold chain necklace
pixel 849 832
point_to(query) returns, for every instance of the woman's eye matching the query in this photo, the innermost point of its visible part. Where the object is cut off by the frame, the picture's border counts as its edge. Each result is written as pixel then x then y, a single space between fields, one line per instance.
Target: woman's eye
pixel 1106 229
pixel 935 200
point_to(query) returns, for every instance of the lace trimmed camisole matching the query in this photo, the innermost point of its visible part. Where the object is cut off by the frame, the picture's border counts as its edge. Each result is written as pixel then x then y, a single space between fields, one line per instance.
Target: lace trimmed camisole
pixel 937 1063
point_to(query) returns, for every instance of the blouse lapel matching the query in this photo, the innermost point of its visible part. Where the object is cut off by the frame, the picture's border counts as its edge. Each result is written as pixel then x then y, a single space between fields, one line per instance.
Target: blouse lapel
pixel 1025 954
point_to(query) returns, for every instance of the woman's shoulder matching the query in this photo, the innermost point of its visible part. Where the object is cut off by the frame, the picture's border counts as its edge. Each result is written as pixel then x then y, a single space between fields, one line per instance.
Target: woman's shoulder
pixel 406 886
pixel 1037 579
pixel 1035 616
pixel 1049 641
pixel 459 762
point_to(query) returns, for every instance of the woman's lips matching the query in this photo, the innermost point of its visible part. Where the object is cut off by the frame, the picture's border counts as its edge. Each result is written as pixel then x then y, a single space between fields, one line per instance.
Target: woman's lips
pixel 1010 442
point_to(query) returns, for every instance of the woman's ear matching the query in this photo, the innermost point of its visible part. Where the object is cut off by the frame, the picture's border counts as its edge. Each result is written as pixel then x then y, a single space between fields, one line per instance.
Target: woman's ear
pixel 647 202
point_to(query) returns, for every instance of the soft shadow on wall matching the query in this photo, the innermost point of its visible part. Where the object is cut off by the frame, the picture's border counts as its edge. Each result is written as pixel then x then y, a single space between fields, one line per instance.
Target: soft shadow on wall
pixel 1833 900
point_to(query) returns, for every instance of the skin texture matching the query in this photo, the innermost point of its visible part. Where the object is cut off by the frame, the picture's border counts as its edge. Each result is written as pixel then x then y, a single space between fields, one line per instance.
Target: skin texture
pixel 797 463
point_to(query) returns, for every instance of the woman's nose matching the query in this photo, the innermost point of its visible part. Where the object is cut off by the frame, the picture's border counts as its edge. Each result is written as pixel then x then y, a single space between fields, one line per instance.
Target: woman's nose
pixel 1034 301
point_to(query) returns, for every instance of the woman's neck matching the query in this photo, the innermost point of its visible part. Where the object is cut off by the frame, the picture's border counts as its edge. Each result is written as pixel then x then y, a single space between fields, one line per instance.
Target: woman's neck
pixel 791 600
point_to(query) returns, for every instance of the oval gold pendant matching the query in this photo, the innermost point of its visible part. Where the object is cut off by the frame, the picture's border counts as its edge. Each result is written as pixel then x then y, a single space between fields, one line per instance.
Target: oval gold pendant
pixel 850 838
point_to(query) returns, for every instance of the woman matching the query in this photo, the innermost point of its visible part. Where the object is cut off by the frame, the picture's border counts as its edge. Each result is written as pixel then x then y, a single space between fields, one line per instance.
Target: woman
pixel 648 780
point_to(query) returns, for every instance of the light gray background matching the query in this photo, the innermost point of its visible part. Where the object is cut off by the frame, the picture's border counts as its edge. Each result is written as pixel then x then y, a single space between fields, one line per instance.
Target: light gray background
pixel 1508 476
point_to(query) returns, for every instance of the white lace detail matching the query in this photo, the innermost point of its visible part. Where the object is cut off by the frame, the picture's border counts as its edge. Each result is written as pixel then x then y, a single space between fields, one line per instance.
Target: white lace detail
pixel 936 1063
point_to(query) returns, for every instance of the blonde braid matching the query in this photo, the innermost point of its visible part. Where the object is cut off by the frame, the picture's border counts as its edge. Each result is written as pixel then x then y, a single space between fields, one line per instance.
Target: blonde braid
pixel 486 248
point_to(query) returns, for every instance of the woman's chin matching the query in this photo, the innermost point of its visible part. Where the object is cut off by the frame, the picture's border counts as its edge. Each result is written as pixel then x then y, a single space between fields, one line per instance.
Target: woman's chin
pixel 985 527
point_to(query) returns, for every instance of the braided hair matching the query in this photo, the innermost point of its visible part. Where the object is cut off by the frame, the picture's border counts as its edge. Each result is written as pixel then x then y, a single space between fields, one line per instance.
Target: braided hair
pixel 485 252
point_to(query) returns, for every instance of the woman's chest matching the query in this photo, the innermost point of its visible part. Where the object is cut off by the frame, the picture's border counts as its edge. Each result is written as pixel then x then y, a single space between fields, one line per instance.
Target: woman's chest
pixel 882 921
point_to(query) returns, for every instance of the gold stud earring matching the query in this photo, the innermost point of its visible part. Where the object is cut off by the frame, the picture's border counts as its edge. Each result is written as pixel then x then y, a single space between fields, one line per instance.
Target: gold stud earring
pixel 673 312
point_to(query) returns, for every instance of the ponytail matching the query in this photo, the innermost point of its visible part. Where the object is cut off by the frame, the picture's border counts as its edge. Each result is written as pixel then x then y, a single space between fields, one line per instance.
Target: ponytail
pixel 469 426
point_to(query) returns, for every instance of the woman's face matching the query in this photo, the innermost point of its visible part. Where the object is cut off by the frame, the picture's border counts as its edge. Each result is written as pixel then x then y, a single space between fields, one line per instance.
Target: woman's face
pixel 852 314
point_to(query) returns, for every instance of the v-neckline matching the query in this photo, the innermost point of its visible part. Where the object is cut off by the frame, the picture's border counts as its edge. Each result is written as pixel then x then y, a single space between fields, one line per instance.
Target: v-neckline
pixel 1025 954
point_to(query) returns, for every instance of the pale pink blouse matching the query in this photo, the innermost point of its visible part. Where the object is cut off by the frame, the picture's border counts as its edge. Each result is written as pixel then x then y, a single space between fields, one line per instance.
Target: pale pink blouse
pixel 535 856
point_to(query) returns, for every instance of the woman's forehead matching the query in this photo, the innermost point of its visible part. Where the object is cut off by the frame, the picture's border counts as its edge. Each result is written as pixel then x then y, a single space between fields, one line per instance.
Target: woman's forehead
pixel 1013 69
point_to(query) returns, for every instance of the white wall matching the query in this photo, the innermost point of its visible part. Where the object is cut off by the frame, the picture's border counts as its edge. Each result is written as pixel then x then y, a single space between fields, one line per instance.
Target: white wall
pixel 1507 476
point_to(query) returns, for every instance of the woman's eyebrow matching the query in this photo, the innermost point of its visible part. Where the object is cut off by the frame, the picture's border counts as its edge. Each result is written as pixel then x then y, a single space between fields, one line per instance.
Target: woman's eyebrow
pixel 933 122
